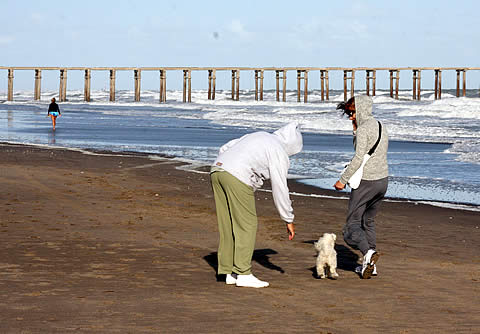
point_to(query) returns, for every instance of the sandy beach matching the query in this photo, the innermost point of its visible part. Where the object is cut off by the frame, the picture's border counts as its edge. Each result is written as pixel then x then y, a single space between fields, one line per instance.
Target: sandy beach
pixel 125 244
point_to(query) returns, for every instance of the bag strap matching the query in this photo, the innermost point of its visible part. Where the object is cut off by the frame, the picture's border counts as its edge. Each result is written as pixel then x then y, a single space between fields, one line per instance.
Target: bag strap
pixel 372 150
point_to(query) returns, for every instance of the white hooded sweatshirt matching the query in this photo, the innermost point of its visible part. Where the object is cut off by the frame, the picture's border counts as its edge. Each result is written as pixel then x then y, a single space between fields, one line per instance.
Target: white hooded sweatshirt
pixel 260 156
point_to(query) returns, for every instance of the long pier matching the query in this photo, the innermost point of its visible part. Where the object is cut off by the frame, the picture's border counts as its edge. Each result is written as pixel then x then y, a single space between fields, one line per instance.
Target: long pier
pixel 280 75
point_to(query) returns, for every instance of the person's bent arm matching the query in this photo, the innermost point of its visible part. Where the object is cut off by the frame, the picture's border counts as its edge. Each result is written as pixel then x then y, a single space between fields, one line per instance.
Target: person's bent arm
pixel 360 151
pixel 280 192
pixel 281 197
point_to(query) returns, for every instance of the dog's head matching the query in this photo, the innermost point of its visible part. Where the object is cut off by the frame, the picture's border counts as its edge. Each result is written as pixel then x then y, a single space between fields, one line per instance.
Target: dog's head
pixel 329 236
pixel 327 240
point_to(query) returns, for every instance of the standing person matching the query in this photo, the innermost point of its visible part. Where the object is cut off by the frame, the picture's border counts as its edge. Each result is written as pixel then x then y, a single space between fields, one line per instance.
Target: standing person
pixel 240 168
pixel 53 112
pixel 359 230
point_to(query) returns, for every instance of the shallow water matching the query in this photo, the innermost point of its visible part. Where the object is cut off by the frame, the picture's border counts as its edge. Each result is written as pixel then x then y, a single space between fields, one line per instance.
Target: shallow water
pixel 429 159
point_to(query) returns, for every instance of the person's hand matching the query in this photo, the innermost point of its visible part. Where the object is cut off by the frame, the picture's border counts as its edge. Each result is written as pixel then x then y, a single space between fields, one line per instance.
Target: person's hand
pixel 291 231
pixel 354 124
pixel 339 185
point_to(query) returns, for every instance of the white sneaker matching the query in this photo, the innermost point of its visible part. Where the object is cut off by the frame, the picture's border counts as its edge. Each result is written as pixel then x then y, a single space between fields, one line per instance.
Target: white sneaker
pixel 250 281
pixel 231 279
pixel 358 270
pixel 369 261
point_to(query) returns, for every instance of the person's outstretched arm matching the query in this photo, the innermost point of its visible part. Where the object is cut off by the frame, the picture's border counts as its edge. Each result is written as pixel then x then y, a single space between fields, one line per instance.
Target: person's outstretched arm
pixel 279 164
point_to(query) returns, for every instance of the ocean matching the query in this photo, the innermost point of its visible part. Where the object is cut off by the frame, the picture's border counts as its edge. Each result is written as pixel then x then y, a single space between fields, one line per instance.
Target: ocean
pixel 434 152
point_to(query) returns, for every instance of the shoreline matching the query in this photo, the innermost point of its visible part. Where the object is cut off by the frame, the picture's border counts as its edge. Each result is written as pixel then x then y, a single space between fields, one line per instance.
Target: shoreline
pixel 115 243
pixel 197 166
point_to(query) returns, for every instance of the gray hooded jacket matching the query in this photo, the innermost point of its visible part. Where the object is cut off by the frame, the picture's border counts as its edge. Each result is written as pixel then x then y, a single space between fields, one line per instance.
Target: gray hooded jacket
pixel 365 137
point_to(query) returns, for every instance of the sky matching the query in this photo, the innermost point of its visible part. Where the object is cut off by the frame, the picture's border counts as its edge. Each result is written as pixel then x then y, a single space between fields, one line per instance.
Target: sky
pixel 237 33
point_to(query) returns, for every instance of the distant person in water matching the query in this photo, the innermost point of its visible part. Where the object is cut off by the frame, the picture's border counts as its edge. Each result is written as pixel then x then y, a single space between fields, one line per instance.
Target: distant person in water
pixel 53 112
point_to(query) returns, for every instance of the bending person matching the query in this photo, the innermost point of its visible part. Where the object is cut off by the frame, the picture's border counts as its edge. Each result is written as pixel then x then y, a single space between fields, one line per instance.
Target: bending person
pixel 241 167
pixel 53 112
pixel 359 230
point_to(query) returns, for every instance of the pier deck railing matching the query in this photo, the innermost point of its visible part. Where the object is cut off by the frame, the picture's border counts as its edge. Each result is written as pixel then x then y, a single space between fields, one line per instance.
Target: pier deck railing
pixel 280 74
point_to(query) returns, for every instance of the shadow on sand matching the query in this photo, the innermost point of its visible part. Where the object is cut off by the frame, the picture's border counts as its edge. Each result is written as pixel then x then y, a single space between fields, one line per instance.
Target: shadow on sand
pixel 261 256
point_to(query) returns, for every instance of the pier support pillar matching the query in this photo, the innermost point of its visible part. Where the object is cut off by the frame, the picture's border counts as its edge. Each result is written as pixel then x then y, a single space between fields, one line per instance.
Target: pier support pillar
pixel 464 84
pixel 187 85
pixel 137 75
pixel 112 85
pixel 256 85
pixel 214 81
pixel 258 75
pixel 391 83
pixel 374 79
pixel 277 86
pixel 261 85
pixel 352 83
pixel 371 76
pixel 324 84
pixel 283 76
pixel 163 86
pixel 299 78
pixel 38 84
pixel 438 84
pixel 394 74
pixel 10 85
pixel 63 86
pixel 88 77
pixel 305 87
pixel 417 74
pixel 209 94
pixel 211 84
pixel 235 85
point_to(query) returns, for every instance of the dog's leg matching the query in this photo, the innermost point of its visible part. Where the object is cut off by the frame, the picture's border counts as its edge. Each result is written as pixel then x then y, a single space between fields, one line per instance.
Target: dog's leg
pixel 321 271
pixel 333 268
pixel 333 273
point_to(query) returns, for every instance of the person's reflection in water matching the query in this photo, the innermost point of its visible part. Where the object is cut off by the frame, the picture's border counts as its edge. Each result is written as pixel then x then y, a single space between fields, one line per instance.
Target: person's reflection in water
pixel 51 138
pixel 10 118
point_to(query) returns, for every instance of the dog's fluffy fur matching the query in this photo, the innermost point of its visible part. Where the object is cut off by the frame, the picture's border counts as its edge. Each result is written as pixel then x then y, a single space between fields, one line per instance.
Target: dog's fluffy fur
pixel 327 256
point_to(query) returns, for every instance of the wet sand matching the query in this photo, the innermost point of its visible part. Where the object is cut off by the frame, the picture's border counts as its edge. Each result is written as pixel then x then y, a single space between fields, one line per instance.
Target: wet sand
pixel 125 244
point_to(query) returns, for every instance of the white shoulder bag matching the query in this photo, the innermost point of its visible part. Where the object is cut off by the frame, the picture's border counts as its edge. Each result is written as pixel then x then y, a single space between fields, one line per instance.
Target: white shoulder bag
pixel 356 178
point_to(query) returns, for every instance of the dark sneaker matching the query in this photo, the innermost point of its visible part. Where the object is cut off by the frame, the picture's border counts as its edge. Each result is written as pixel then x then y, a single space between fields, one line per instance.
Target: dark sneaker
pixel 369 261
pixel 358 270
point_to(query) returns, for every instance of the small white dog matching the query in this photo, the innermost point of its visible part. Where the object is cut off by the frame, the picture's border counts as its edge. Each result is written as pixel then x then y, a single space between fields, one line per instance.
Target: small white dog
pixel 327 256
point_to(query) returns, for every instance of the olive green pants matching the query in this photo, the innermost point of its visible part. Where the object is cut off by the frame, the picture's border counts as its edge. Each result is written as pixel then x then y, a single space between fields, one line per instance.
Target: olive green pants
pixel 237 223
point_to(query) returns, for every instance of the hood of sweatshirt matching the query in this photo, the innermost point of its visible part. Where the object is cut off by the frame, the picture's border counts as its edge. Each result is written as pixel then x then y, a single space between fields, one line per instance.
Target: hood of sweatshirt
pixel 291 138
pixel 363 107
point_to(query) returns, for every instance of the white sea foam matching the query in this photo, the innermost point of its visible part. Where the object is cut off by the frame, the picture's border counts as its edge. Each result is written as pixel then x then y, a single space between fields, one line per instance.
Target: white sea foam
pixel 451 119
pixel 452 206
pixel 432 203
pixel 428 171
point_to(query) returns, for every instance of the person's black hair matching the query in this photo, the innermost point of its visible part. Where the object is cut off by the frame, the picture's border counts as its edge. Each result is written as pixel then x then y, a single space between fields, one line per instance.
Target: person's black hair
pixel 344 105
